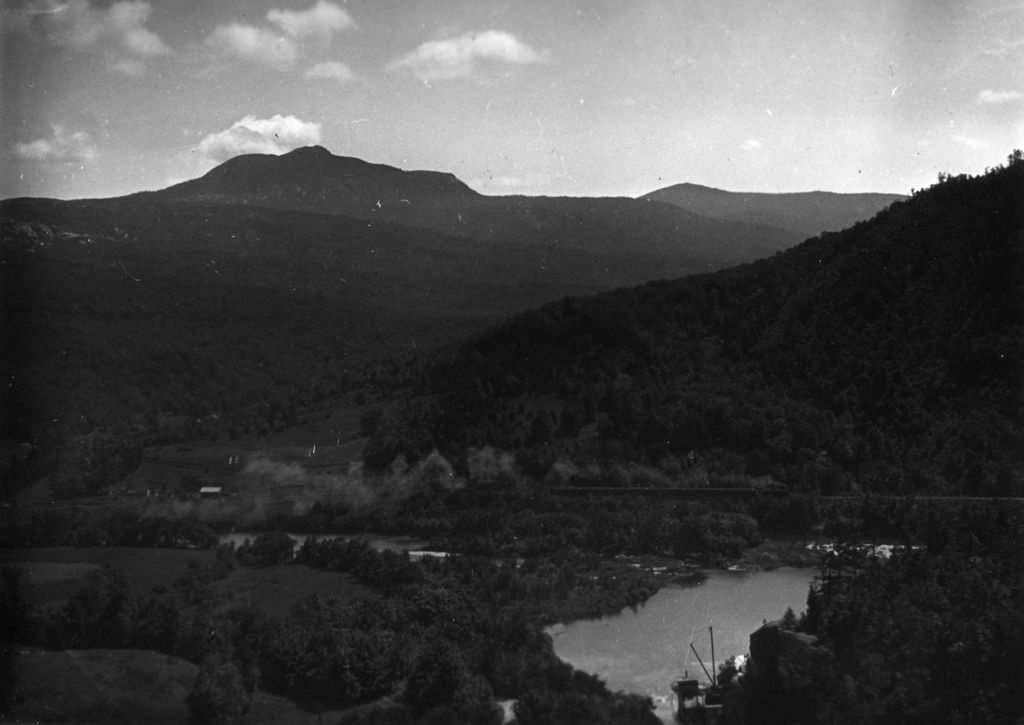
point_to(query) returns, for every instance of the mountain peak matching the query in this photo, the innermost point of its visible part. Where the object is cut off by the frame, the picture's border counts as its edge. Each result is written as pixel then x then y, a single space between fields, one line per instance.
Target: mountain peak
pixel 311 178
pixel 314 155
pixel 692 185
pixel 309 151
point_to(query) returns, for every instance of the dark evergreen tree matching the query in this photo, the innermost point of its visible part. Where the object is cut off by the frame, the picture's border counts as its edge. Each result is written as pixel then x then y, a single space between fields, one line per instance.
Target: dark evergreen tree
pixel 219 694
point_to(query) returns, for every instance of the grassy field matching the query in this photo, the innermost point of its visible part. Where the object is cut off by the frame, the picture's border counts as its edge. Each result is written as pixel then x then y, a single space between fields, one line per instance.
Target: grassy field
pixel 140 686
pixel 55 573
pixel 774 553
pixel 276 589
pixel 123 686
pixel 334 431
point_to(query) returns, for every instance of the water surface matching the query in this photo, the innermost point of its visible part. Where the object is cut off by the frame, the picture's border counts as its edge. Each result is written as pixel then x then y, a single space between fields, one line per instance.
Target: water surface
pixel 643 651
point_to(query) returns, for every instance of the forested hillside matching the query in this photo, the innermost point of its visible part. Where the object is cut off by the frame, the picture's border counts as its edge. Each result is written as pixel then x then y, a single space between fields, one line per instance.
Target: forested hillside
pixel 885 357
pixel 191 309
pixel 931 635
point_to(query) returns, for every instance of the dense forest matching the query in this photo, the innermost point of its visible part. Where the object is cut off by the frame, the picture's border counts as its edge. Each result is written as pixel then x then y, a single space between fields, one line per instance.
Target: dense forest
pixel 885 358
pixel 932 635
pixel 150 309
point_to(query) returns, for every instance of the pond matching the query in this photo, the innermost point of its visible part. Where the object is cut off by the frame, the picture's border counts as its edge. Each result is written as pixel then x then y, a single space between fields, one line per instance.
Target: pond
pixel 643 651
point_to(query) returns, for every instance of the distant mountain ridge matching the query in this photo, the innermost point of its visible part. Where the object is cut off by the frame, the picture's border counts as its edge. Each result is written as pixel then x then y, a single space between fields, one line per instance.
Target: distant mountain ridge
pixel 315 180
pixel 808 213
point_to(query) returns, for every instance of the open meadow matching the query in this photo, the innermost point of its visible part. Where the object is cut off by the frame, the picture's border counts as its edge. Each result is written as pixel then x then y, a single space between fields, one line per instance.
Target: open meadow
pixel 54 574
pixel 124 686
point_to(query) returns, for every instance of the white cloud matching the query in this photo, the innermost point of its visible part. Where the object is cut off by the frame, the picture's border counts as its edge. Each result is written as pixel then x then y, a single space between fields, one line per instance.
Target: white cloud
pixel 128 21
pixel 990 96
pixel 280 43
pixel 120 29
pixel 249 42
pixel 460 57
pixel 751 144
pixel 331 70
pixel 72 23
pixel 129 66
pixel 275 135
pixel 60 147
pixel 322 20
pixel 969 141
pixel 1003 47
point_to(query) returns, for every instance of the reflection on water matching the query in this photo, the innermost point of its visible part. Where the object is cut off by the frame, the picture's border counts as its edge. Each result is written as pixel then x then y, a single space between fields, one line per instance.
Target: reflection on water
pixel 643 651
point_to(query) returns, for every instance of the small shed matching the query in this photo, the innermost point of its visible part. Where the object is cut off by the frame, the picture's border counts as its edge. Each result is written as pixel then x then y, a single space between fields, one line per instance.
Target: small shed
pixel 210 491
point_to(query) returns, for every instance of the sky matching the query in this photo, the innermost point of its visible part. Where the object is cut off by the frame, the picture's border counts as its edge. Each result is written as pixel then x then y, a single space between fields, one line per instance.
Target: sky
pixel 570 97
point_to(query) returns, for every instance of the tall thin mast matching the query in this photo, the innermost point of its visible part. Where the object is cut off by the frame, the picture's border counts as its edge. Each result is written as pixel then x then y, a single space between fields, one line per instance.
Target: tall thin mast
pixel 701 662
pixel 714 667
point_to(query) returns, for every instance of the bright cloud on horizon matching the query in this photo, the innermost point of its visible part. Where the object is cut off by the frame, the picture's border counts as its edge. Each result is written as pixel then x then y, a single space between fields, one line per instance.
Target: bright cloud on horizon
pixel 460 57
pixel 992 97
pixel 60 147
pixel 275 135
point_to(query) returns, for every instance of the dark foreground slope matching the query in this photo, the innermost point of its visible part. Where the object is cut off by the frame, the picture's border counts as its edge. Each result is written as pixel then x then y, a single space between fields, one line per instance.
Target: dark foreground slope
pixel 886 357
pixel 805 213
